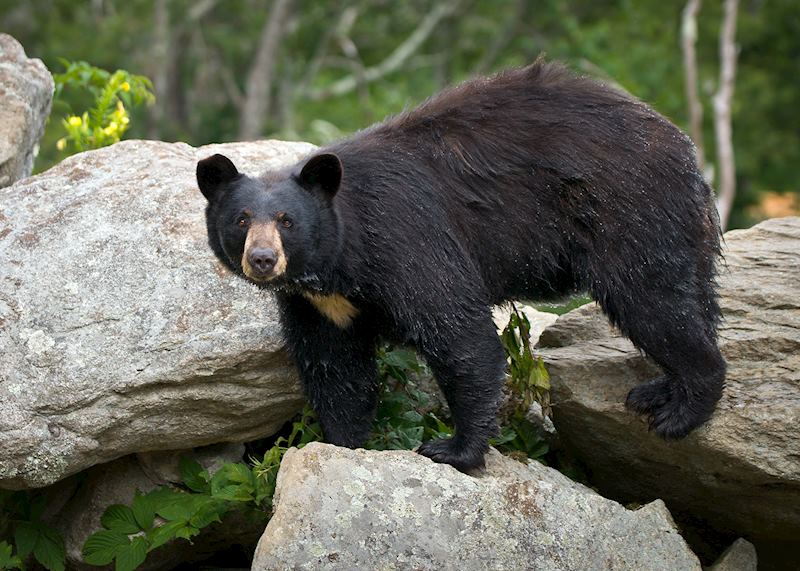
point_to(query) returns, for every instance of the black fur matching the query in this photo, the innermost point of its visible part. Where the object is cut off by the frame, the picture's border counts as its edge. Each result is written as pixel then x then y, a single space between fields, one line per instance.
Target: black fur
pixel 531 184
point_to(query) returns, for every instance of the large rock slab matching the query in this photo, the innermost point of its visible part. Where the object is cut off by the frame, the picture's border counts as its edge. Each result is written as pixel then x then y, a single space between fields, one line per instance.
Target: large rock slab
pixel 353 509
pixel 119 331
pixel 741 472
pixel 26 93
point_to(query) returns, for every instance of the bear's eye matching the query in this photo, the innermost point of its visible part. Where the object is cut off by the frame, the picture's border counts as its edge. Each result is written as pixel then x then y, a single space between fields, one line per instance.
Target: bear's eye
pixel 285 221
pixel 242 221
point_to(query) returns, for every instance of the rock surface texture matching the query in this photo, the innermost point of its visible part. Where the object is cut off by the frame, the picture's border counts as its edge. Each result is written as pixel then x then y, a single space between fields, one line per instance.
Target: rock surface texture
pixel 741 472
pixel 119 330
pixel 26 93
pixel 353 509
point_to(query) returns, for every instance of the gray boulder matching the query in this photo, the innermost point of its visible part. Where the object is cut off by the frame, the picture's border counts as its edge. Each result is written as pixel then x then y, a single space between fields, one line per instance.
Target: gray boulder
pixel 26 93
pixel 354 509
pixel 740 556
pixel 119 330
pixel 741 472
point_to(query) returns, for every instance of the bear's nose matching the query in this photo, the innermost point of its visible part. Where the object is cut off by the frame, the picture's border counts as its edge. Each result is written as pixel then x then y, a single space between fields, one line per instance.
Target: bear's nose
pixel 262 259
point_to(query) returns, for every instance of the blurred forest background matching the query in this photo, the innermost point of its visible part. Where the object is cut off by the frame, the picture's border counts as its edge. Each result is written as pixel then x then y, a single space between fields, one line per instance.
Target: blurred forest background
pixel 226 70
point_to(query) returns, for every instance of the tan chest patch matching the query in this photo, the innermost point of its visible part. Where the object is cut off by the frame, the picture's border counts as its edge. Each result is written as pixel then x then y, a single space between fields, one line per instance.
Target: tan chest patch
pixel 335 307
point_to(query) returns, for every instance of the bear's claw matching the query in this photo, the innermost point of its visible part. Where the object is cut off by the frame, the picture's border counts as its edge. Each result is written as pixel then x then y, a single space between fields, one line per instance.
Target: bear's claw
pixel 672 412
pixel 649 396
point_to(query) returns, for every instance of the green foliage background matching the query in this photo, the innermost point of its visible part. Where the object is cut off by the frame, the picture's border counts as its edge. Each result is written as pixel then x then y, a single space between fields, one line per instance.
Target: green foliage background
pixel 632 42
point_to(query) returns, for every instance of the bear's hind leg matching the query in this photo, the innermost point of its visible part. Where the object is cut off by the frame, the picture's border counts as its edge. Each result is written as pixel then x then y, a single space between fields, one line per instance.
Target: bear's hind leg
pixel 467 359
pixel 677 331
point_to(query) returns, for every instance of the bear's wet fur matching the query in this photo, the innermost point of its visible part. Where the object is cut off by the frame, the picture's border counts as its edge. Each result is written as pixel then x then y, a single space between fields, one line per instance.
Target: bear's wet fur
pixel 531 184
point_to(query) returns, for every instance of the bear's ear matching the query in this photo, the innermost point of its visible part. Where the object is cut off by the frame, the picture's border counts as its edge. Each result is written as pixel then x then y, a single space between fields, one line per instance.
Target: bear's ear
pixel 323 172
pixel 213 172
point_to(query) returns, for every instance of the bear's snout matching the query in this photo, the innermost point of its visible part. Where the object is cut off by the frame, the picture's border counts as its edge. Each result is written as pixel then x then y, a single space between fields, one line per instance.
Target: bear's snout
pixel 262 260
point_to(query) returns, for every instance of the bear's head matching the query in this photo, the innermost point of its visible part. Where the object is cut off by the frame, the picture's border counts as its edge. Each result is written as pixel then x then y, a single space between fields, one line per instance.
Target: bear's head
pixel 274 229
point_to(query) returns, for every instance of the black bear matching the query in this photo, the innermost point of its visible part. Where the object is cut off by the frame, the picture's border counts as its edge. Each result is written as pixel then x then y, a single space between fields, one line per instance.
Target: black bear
pixel 531 184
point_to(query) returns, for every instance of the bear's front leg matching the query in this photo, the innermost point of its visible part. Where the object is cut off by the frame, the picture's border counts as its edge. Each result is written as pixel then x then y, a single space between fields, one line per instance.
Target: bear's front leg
pixel 467 359
pixel 337 369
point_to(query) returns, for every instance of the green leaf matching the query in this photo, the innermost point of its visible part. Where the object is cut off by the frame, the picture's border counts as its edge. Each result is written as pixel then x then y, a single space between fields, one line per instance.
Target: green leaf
pixel 144 511
pixel 412 416
pixel 265 488
pixel 180 506
pixel 401 359
pixel 235 472
pixel 193 475
pixel 208 513
pixel 506 435
pixel 543 374
pixel 101 547
pixel 164 533
pixel 49 550
pixel 187 532
pixel 539 449
pixel 233 482
pixel 159 497
pixel 439 426
pixel 234 493
pixel 7 560
pixel 132 555
pixel 120 518
pixel 25 536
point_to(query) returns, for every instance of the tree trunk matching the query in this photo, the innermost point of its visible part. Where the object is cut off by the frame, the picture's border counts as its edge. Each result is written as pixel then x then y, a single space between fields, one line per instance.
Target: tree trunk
pixel 159 58
pixel 175 96
pixel 722 113
pixel 688 42
pixel 258 92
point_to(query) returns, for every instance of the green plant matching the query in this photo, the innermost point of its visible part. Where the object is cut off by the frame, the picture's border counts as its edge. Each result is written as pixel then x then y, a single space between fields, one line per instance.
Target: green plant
pixel 528 377
pixel 112 94
pixel 528 382
pixel 406 418
pixel 168 513
pixel 21 518
pixel 7 559
pixel 399 424
pixel 304 430
pixel 564 306
pixel 153 519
